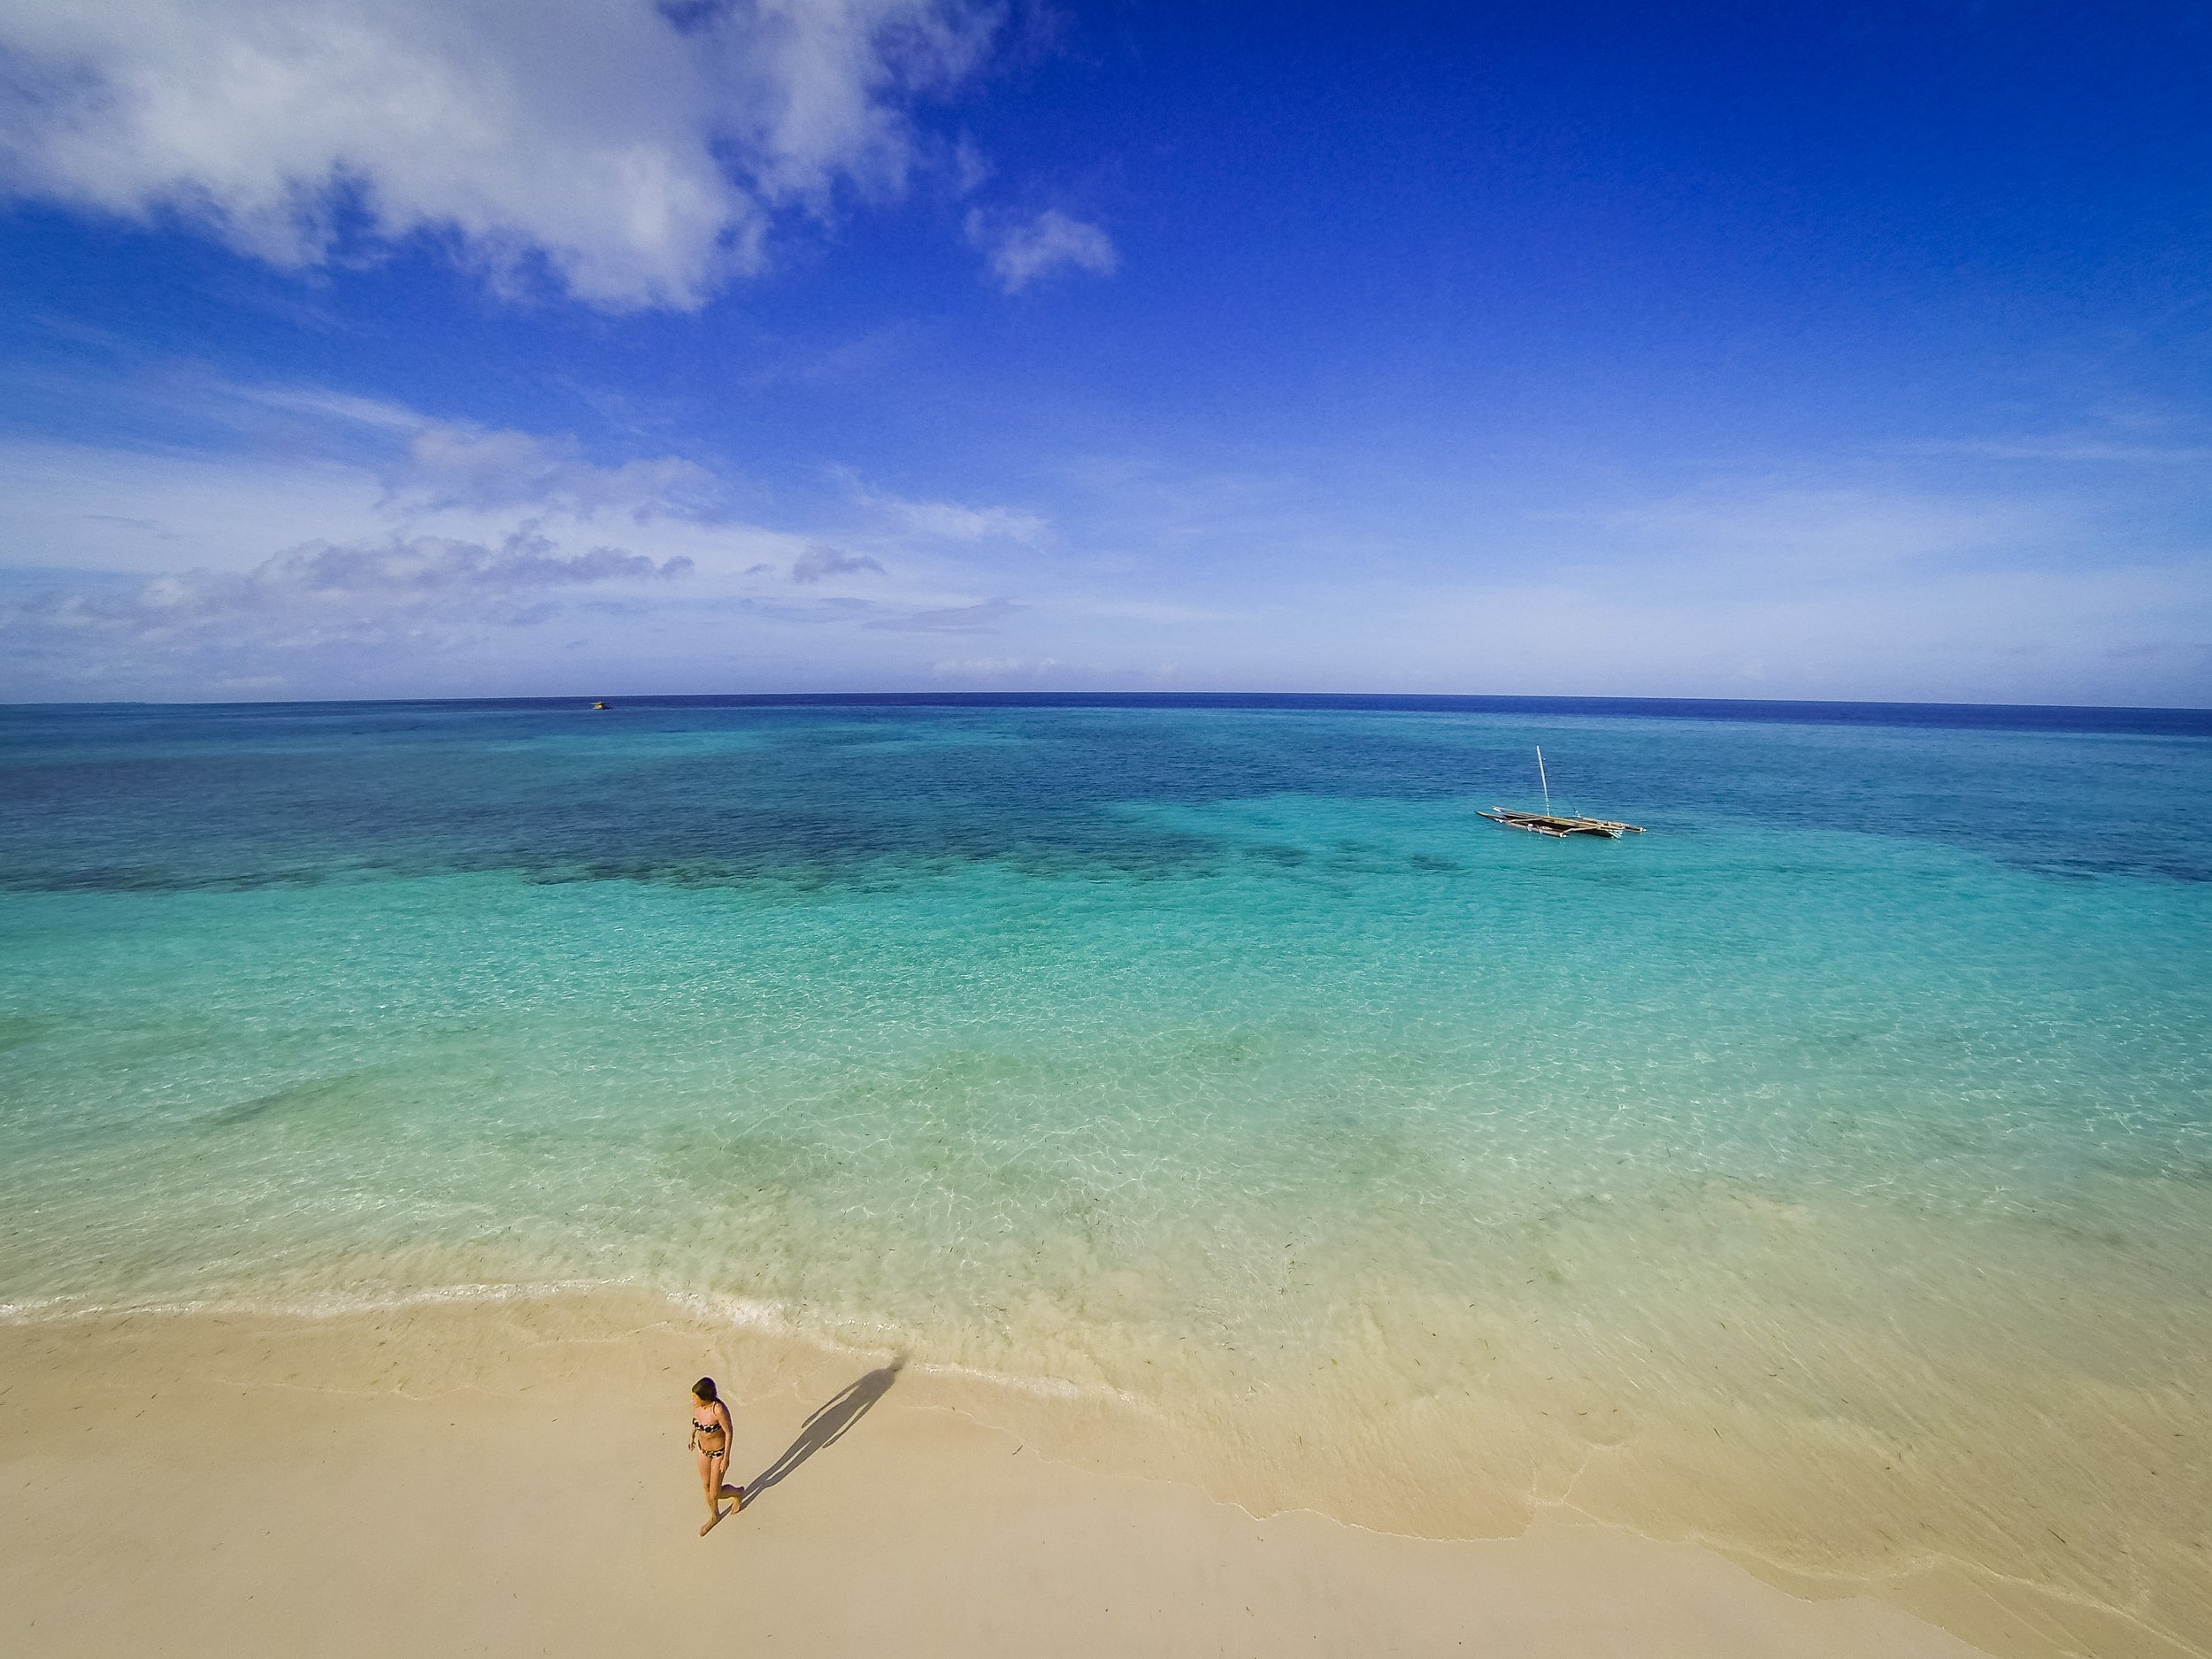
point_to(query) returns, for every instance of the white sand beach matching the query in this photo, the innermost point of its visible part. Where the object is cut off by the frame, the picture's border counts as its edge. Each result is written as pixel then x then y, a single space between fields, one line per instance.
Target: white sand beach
pixel 512 1479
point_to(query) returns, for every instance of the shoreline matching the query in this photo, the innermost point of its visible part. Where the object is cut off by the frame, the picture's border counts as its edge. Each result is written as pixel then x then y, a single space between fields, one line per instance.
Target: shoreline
pixel 517 1466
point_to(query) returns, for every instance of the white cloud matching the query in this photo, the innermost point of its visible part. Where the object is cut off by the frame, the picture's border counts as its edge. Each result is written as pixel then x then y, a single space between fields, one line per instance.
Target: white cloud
pixel 1999 635
pixel 942 520
pixel 641 152
pixel 426 554
pixel 338 406
pixel 995 670
pixel 135 510
pixel 441 465
pixel 974 619
pixel 2089 450
pixel 949 521
pixel 1020 254
pixel 422 550
pixel 1726 528
pixel 314 602
pixel 448 466
pixel 817 562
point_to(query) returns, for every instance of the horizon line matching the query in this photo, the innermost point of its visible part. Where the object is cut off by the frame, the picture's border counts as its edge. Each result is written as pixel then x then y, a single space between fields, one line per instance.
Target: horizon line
pixel 1254 697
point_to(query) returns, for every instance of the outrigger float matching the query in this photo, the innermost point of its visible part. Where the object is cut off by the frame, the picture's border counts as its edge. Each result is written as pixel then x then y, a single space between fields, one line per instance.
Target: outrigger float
pixel 1558 824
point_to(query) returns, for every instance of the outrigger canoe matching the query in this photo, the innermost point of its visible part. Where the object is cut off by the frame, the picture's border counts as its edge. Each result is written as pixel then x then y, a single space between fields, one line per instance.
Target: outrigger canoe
pixel 1561 825
pixel 1551 824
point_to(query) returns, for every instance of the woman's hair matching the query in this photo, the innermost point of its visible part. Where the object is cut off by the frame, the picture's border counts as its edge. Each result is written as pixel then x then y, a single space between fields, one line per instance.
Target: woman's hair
pixel 704 1389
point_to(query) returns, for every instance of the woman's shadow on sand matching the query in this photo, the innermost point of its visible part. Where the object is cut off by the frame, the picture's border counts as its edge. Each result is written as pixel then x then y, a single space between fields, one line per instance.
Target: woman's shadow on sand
pixel 826 1427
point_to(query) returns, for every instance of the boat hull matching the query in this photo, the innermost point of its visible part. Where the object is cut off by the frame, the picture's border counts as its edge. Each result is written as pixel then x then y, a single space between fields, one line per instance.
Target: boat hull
pixel 1560 826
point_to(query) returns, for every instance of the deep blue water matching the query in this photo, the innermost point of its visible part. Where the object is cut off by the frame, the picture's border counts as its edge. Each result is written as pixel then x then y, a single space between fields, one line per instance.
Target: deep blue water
pixel 681 789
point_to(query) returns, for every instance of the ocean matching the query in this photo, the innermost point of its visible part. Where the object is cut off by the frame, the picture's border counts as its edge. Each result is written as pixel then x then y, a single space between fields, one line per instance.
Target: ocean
pixel 1825 1174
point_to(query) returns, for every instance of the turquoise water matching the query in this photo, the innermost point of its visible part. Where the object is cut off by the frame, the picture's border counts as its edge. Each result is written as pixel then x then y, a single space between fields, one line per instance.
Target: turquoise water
pixel 1217 1059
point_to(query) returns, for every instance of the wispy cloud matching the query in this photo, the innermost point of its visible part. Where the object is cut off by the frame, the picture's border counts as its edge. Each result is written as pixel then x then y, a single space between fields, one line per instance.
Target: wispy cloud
pixel 450 466
pixel 638 154
pixel 439 466
pixel 941 520
pixel 423 551
pixel 442 465
pixel 420 552
pixel 949 521
pixel 810 611
pixel 817 562
pixel 309 599
pixel 2082 450
pixel 995 670
pixel 1022 253
pixel 974 619
pixel 321 403
pixel 1796 535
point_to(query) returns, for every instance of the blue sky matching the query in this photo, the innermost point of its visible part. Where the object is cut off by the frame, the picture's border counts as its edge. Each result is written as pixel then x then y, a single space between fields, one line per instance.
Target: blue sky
pixel 374 348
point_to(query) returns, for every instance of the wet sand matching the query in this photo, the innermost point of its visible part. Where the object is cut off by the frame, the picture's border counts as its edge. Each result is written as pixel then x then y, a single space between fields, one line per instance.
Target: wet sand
pixel 509 1478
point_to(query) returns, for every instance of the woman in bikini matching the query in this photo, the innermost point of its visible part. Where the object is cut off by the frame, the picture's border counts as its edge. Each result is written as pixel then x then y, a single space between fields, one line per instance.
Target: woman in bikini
pixel 711 1430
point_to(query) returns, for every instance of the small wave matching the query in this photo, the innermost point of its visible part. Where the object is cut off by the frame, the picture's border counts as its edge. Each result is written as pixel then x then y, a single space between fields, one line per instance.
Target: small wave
pixel 777 1320
pixel 315 1305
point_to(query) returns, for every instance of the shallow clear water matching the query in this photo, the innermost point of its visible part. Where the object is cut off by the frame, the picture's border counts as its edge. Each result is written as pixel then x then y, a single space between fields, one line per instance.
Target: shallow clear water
pixel 1828 1171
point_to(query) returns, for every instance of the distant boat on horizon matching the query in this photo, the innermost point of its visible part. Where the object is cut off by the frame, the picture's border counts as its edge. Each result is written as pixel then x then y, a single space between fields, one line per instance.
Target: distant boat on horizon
pixel 1558 824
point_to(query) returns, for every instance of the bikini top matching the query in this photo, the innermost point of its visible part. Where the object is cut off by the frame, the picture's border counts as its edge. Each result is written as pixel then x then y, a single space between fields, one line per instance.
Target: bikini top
pixel 706 1425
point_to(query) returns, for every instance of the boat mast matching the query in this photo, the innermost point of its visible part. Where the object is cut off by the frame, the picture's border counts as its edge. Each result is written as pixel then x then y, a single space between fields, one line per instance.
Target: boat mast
pixel 1543 779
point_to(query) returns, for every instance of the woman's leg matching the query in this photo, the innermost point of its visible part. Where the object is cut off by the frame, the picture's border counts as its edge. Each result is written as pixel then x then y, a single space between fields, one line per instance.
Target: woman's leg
pixel 710 1477
pixel 735 1494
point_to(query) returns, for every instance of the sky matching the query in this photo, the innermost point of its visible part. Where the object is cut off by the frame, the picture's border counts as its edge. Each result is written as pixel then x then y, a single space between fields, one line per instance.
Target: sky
pixel 440 347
